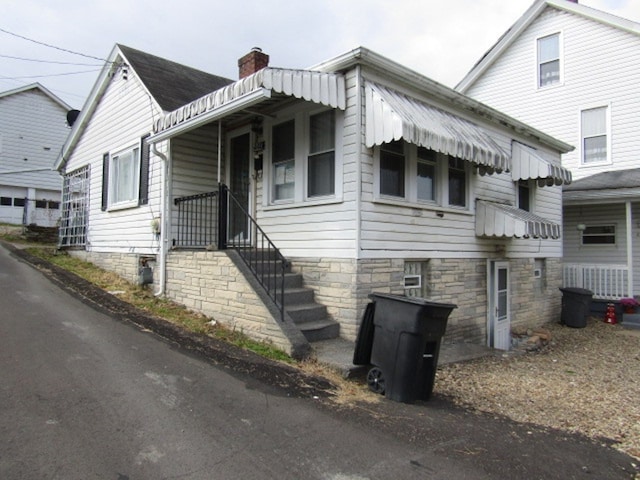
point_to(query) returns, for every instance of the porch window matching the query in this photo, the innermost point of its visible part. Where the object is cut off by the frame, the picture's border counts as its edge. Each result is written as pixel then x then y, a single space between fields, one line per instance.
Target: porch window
pixel 284 162
pixel 392 169
pixel 594 135
pixel 321 164
pixel 599 235
pixel 549 60
pixel 420 175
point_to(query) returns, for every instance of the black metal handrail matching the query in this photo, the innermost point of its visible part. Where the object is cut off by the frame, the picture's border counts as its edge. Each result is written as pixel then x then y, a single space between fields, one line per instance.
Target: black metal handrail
pixel 197 220
pixel 242 233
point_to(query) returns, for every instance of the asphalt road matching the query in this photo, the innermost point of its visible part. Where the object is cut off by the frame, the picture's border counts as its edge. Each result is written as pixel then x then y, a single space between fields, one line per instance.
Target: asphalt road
pixel 86 395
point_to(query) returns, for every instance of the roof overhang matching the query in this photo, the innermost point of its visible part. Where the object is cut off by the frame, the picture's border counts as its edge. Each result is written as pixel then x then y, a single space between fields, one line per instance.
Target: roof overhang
pixel 318 87
pixel 528 163
pixel 391 115
pixel 500 220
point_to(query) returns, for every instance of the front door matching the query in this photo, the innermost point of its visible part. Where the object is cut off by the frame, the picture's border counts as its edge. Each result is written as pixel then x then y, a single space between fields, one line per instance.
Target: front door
pixel 499 323
pixel 239 149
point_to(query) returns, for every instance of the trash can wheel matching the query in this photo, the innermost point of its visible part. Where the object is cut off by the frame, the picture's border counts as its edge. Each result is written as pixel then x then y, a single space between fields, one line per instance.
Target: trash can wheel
pixel 375 380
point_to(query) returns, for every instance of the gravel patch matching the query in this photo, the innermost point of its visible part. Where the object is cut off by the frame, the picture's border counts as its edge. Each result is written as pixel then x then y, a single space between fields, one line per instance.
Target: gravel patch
pixel 584 380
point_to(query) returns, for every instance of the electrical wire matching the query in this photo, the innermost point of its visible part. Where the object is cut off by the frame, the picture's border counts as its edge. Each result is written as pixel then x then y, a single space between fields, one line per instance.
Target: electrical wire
pixel 52 46
pixel 51 61
pixel 49 75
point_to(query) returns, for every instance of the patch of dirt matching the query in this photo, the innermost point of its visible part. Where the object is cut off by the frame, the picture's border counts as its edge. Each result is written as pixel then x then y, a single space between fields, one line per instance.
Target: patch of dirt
pixel 584 380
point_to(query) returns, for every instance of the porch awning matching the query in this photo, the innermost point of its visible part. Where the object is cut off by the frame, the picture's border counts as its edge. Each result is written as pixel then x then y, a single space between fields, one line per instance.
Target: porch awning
pixel 500 220
pixel 528 163
pixel 391 115
pixel 317 87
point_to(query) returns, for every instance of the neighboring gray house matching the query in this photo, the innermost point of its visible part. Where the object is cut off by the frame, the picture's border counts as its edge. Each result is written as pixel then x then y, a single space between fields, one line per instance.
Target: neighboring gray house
pixel 278 202
pixel 572 71
pixel 33 129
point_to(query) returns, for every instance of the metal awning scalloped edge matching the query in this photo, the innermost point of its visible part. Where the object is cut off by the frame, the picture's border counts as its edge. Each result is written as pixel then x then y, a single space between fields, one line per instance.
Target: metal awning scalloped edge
pixel 500 220
pixel 392 115
pixel 529 163
pixel 319 87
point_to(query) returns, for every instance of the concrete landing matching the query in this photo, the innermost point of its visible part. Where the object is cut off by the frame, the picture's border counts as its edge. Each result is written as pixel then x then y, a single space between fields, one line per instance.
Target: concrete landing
pixel 338 353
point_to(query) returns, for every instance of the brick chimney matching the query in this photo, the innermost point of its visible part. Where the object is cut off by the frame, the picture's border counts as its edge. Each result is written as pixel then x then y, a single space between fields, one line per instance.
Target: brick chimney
pixel 252 62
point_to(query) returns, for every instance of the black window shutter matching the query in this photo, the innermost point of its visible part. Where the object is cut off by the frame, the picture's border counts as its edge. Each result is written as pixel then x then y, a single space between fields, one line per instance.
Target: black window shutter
pixel 105 181
pixel 145 150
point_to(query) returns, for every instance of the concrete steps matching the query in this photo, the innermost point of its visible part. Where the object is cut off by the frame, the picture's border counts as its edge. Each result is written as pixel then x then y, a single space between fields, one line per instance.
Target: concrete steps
pixel 308 315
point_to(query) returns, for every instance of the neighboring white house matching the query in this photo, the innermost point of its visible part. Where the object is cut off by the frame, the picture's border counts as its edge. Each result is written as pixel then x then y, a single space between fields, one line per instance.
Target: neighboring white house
pixel 277 203
pixel 33 128
pixel 572 72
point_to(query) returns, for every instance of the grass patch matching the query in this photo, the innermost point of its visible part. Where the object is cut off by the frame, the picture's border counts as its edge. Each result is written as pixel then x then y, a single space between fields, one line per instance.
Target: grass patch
pixel 143 298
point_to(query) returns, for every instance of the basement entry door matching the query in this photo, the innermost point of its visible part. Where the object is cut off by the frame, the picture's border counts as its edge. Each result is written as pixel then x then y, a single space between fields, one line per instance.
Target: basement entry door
pixel 499 322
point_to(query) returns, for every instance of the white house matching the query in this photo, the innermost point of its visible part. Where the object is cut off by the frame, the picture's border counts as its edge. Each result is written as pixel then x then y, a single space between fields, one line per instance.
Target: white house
pixel 33 128
pixel 278 202
pixel 572 71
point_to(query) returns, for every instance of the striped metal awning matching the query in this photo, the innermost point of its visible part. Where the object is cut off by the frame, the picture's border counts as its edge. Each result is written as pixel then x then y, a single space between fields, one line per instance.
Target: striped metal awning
pixel 528 163
pixel 500 220
pixel 391 115
pixel 317 87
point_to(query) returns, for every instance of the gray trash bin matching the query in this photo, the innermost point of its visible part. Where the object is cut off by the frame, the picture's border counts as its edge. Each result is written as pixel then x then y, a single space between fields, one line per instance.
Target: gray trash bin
pixel 576 306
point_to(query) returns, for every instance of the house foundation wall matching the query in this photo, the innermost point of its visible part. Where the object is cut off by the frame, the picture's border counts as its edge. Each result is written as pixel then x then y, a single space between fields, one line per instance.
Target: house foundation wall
pixel 209 282
pixel 343 286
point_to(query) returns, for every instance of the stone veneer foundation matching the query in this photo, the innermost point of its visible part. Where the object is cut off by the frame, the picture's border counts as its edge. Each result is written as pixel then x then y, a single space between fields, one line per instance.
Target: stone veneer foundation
pixel 209 282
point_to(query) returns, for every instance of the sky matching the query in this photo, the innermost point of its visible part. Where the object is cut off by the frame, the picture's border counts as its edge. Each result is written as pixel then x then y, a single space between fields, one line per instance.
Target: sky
pixel 439 39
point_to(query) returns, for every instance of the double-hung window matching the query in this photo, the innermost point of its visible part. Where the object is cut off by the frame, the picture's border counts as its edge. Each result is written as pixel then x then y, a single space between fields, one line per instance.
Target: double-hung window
pixel 392 169
pixel 548 60
pixel 524 195
pixel 284 160
pixel 593 127
pixel 304 155
pixel 124 177
pixel 420 175
pixel 321 161
pixel 599 235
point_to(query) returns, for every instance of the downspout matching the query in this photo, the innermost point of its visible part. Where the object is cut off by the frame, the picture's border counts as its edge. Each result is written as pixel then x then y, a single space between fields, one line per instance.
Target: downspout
pixel 359 161
pixel 164 221
pixel 629 248
pixel 219 148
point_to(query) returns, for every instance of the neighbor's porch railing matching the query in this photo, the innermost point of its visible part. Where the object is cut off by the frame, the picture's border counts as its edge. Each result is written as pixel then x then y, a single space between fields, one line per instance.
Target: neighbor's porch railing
pixel 218 220
pixel 609 282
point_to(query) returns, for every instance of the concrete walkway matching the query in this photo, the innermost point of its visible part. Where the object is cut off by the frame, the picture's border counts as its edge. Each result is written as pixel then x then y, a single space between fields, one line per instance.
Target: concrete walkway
pixel 338 353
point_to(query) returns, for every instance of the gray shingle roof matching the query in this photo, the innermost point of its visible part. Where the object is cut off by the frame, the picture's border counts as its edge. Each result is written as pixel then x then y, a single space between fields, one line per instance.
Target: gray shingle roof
pixel 171 84
pixel 607 180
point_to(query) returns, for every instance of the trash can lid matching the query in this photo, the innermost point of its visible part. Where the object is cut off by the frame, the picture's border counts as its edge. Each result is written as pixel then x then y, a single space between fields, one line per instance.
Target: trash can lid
pixel 576 290
pixel 414 300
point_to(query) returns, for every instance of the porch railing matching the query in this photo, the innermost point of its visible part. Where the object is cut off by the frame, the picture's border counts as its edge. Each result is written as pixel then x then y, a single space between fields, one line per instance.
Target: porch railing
pixel 259 253
pixel 610 282
pixel 219 219
pixel 197 220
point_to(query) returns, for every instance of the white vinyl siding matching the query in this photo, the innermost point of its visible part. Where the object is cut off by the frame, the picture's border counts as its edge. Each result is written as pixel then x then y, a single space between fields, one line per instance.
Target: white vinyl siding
pixel 599 68
pixel 127 230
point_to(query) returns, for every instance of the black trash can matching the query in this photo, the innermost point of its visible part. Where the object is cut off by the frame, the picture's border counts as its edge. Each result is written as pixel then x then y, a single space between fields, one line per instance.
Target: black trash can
pixel 576 306
pixel 405 345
